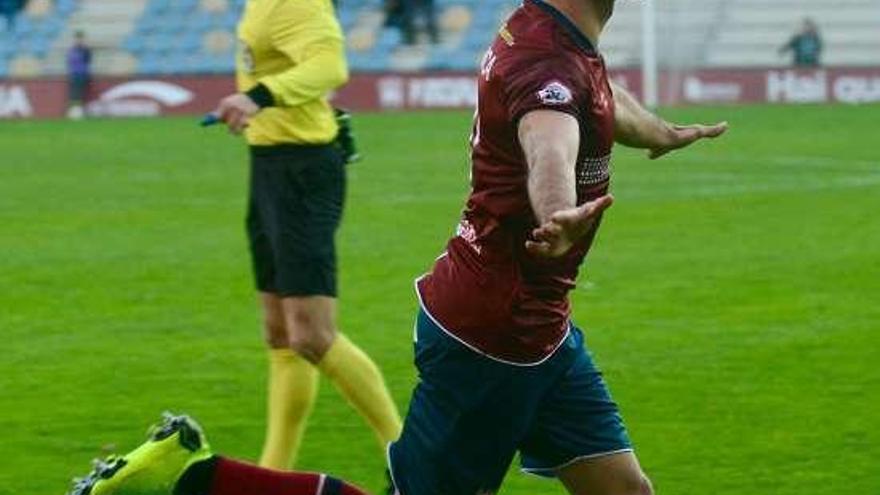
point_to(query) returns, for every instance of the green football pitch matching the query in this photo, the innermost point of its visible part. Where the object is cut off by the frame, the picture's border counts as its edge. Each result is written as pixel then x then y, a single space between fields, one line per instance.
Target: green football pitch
pixel 732 299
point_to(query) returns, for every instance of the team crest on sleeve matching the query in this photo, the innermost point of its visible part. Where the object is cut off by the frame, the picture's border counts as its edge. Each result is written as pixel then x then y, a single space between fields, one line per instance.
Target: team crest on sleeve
pixel 247 57
pixel 555 93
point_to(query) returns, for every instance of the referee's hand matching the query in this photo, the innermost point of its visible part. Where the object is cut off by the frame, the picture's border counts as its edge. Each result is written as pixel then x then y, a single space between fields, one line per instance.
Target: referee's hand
pixel 236 111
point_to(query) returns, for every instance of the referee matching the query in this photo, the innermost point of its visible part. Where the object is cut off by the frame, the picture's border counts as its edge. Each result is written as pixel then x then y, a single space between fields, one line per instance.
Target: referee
pixel 291 56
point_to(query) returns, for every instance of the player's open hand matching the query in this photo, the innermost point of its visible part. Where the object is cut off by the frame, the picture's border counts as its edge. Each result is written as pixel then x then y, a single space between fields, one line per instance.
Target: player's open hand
pixel 557 236
pixel 680 136
pixel 235 111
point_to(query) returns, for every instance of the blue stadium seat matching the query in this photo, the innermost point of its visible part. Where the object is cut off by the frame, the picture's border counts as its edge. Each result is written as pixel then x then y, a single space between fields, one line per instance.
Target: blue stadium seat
pixel 169 36
pixel 186 5
pixel 203 65
pixel 190 42
pixel 388 39
pixel 23 26
pixel 160 44
pixel 134 44
pixel 230 19
pixel 347 17
pixel 39 46
pixel 6 47
pixel 65 7
pixel 222 64
pixel 373 62
pixel 34 36
pixel 148 64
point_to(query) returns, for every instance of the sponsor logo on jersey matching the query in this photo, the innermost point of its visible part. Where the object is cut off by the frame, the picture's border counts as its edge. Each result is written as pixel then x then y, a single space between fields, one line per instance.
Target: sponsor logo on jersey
pixel 505 35
pixel 467 232
pixel 555 93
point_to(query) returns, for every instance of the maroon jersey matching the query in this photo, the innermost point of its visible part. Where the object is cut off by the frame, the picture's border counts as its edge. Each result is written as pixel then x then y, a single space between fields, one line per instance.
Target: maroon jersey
pixel 486 290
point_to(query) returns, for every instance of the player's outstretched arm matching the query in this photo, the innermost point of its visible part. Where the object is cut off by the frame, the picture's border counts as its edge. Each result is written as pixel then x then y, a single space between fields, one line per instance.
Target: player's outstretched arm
pixel 636 127
pixel 550 141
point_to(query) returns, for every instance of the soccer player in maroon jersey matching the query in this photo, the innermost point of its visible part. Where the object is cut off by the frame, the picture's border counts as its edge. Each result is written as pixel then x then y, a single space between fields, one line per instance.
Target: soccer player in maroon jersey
pixel 502 368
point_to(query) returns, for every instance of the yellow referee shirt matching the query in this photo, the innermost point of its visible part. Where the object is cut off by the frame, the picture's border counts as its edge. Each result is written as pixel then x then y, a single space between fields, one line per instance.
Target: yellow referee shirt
pixel 295 50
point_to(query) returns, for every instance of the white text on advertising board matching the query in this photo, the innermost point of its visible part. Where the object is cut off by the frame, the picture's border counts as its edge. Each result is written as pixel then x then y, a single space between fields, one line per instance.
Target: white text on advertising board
pixel 793 87
pixel 14 102
pixel 697 90
pixel 427 92
pixel 857 89
pixel 443 92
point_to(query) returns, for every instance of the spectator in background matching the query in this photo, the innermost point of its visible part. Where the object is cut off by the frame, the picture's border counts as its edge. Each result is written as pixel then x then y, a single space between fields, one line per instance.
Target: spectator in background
pixel 805 45
pixel 9 9
pixel 407 14
pixel 79 75
pixel 394 13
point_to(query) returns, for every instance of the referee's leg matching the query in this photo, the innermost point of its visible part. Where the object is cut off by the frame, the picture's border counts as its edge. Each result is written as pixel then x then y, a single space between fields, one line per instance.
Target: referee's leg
pixel 302 204
pixel 313 333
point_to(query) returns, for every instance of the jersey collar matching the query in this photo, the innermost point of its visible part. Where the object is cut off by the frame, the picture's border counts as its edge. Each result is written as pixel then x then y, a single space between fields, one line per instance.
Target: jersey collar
pixel 576 34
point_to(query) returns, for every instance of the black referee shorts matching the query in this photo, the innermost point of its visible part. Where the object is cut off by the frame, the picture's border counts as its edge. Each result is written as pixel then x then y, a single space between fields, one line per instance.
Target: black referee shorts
pixel 295 205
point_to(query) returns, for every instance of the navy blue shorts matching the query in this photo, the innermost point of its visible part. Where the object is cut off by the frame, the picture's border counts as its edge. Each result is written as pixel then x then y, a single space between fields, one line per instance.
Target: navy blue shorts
pixel 469 415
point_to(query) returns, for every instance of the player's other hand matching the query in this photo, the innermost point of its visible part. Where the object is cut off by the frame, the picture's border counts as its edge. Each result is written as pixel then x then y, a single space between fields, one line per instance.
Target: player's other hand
pixel 236 111
pixel 680 136
pixel 557 236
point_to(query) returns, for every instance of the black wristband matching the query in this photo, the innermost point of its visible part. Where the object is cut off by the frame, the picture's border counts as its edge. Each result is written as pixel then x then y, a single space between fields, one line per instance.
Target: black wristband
pixel 261 95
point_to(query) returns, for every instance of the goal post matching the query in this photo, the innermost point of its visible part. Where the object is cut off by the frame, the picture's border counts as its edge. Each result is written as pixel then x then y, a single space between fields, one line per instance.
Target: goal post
pixel 649 53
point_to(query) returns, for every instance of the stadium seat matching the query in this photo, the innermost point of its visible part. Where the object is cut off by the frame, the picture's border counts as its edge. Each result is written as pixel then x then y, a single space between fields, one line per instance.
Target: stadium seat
pixel 214 6
pixel 25 66
pixel 361 41
pixel 388 39
pixel 455 19
pixel 218 42
pixel 199 35
pixel 38 9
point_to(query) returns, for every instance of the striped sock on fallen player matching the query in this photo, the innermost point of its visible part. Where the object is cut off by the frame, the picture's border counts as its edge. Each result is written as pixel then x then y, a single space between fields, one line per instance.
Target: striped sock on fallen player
pixel 223 476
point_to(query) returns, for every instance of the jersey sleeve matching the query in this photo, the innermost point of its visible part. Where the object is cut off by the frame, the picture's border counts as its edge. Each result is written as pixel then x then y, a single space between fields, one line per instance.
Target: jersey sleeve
pixel 542 84
pixel 307 32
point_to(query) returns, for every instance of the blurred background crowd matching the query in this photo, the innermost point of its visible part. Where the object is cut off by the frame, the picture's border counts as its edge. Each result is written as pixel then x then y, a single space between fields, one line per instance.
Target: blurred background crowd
pixel 160 37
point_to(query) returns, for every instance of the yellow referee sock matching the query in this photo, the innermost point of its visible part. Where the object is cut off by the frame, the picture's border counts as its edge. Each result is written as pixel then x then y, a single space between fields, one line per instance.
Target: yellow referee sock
pixel 293 387
pixel 359 380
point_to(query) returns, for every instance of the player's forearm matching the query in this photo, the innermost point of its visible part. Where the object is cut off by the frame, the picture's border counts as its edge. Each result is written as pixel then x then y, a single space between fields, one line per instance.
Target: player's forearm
pixel 551 183
pixel 321 73
pixel 550 142
pixel 635 126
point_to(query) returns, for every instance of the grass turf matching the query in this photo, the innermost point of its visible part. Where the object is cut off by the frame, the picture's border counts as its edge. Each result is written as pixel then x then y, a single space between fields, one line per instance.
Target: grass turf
pixel 732 298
